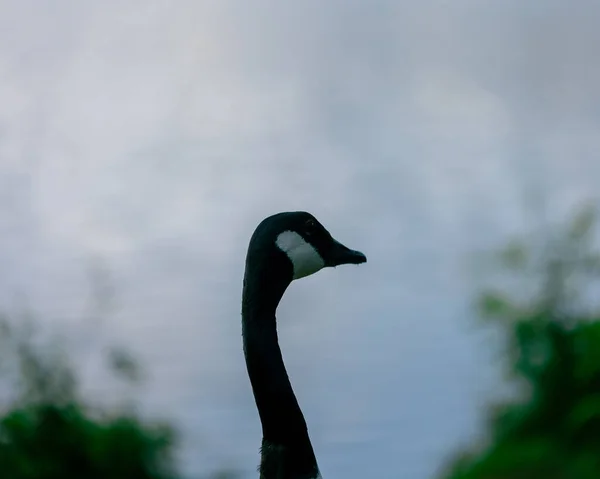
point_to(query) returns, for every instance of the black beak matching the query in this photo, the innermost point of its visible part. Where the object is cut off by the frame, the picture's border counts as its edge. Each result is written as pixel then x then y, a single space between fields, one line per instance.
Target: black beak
pixel 340 254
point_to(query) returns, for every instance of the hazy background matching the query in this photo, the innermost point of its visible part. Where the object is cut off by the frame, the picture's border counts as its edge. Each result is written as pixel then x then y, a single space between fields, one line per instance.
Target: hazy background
pixel 146 139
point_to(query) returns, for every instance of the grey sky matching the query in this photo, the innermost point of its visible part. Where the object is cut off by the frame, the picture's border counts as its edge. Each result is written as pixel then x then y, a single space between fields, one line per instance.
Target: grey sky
pixel 155 135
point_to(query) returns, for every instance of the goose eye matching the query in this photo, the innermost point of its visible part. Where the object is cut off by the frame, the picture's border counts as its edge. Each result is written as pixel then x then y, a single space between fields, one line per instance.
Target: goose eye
pixel 309 227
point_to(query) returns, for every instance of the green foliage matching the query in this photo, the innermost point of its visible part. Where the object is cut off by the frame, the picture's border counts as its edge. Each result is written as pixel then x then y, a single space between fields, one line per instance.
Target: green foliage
pixel 47 441
pixel 49 432
pixel 552 430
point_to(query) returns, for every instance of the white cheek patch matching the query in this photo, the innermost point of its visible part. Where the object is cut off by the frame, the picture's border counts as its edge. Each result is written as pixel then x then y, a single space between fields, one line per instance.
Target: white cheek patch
pixel 304 257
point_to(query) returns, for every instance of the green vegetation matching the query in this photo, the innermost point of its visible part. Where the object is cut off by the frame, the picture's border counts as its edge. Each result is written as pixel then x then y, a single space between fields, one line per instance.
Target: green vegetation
pixel 47 431
pixel 551 430
pixel 50 441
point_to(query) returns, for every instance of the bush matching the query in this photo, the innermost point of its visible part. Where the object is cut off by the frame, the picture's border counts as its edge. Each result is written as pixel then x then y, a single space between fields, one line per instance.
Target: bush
pixel 49 441
pixel 552 430
pixel 47 430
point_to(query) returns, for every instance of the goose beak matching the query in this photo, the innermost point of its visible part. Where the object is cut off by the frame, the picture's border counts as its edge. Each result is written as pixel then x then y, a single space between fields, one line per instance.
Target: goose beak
pixel 340 254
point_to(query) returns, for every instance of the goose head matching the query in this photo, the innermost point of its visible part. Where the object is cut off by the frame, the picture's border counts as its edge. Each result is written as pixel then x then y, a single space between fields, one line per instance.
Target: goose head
pixel 292 245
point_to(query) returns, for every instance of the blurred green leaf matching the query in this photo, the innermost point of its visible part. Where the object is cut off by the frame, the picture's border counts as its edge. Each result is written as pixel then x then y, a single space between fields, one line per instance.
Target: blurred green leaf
pixel 495 305
pixel 582 224
pixel 124 364
pixel 514 255
pixel 584 412
pixel 587 345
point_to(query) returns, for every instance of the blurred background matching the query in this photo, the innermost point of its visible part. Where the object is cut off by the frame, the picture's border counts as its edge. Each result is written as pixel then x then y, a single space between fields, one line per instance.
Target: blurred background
pixel 141 142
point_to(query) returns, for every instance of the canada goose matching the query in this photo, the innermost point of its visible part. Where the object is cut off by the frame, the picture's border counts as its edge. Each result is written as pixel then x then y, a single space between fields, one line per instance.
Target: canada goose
pixel 284 247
